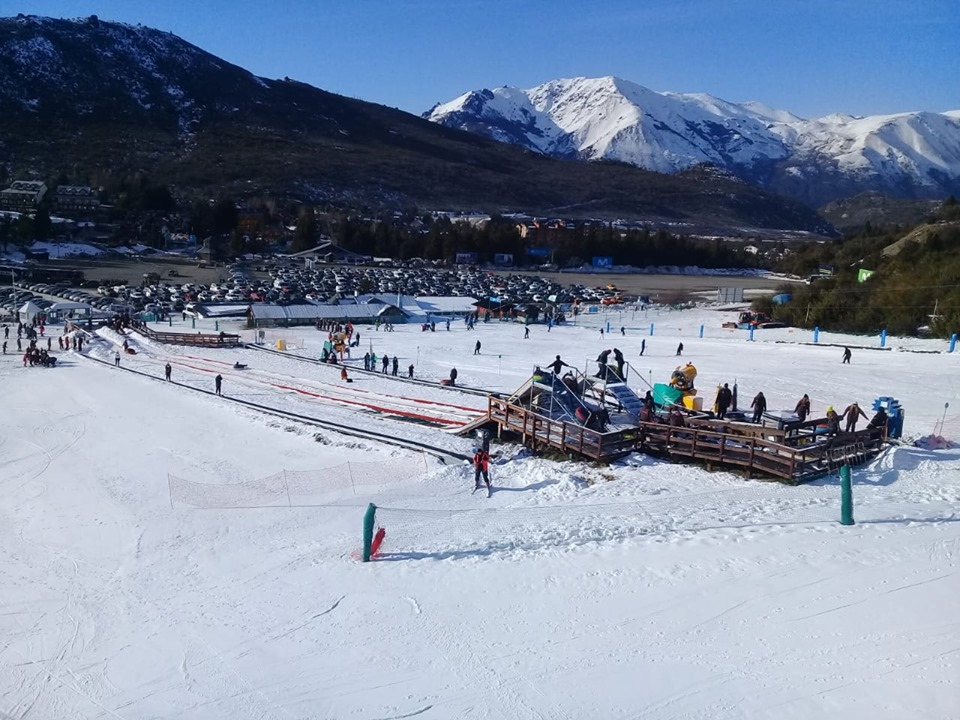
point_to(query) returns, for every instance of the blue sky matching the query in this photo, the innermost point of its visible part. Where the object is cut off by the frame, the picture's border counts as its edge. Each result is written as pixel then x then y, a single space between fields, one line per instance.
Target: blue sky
pixel 811 57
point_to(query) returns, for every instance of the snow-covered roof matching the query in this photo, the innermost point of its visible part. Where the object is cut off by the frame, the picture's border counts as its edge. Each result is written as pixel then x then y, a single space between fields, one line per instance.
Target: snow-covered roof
pixel 263 311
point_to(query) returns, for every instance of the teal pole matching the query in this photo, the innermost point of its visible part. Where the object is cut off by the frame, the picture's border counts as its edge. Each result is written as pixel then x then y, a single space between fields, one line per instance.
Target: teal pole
pixel 193 322
pixel 368 520
pixel 846 496
pixel 953 342
pixel 651 328
pixel 701 331
pixel 216 324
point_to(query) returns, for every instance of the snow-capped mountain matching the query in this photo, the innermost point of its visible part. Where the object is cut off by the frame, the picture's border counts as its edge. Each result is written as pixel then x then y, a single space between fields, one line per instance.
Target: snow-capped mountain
pixel 906 155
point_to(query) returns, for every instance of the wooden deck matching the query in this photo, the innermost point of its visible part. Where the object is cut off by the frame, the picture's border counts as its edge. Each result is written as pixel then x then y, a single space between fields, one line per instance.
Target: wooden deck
pixel 793 454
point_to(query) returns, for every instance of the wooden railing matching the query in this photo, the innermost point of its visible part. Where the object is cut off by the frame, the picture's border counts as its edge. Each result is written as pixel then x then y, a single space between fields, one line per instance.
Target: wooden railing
pixel 222 340
pixel 752 452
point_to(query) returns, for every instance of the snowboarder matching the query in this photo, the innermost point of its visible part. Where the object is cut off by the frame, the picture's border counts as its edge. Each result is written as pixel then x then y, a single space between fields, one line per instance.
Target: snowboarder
pixel 852 414
pixel 218 383
pixel 846 356
pixel 724 396
pixel 481 466
pixel 759 406
pixel 643 347
pixel 803 407
pixel 167 370
pixel 557 364
pixel 679 349
pixel 476 348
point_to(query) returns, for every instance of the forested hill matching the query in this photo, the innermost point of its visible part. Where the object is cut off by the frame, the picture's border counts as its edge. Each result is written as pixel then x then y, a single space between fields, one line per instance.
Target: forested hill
pixel 97 102
pixel 914 288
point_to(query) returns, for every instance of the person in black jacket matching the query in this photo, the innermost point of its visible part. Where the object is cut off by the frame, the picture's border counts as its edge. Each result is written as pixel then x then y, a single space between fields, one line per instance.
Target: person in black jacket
pixel 724 397
pixel 557 364
pixel 217 383
pixel 803 407
pixel 759 406
pixel 453 376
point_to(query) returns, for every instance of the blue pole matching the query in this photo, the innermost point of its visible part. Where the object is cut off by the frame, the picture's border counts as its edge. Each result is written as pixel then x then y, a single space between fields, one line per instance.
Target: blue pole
pixel 953 342
pixel 651 328
pixel 701 331
pixel 608 326
pixel 883 338
pixel 751 333
pixel 816 334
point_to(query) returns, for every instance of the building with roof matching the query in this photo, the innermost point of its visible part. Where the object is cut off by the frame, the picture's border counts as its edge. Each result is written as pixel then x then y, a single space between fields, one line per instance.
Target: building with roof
pixel 269 315
pixel 75 198
pixel 23 195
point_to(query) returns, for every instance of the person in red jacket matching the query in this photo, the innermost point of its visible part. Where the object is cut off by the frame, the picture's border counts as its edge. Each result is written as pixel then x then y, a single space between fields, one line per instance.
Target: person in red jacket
pixel 481 466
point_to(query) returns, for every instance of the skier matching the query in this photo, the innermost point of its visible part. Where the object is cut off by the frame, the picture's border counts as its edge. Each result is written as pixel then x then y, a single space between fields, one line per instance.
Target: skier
pixel 386 363
pixel 623 331
pixel 803 407
pixel 526 333
pixel 366 360
pixel 116 359
pixel 759 406
pixel 724 396
pixel 476 348
pixel 410 371
pixel 453 376
pixel 481 466
pixel 679 349
pixel 167 370
pixel 643 347
pixel 846 356
pixel 396 365
pixel 218 383
pixel 852 414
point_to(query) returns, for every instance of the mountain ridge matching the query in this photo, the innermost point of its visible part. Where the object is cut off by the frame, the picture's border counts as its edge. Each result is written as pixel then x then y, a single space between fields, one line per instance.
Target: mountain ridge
pixel 816 161
pixel 100 103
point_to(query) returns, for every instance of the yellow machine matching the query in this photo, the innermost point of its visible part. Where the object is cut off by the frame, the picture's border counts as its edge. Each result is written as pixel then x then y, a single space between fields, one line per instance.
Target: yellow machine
pixel 682 379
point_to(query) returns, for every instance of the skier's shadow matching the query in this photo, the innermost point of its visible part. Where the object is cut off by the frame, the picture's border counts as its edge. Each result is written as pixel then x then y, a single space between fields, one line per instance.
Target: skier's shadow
pixel 527 488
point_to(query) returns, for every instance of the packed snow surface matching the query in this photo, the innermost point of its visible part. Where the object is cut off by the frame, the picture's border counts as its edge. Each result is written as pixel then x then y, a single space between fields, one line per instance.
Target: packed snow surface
pixel 168 553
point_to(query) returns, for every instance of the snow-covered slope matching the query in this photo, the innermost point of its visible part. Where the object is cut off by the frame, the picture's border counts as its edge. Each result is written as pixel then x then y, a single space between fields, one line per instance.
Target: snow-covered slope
pixel 909 154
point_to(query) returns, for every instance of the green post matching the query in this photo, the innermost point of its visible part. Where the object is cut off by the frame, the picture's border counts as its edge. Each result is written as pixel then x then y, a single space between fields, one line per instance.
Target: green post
pixel 846 496
pixel 193 322
pixel 368 520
